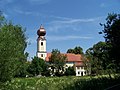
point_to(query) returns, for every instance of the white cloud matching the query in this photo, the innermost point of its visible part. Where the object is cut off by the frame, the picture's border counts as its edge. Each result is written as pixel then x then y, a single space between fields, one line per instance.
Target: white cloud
pixel 59 38
pixel 61 23
pixel 32 40
pixel 22 12
pixel 58 17
pixel 32 13
pixel 71 21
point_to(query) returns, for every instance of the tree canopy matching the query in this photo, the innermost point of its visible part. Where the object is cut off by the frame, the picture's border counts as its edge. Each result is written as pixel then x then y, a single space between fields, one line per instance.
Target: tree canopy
pixel 70 71
pixel 57 60
pixel 98 57
pixel 104 56
pixel 12 48
pixel 111 33
pixel 76 50
pixel 37 66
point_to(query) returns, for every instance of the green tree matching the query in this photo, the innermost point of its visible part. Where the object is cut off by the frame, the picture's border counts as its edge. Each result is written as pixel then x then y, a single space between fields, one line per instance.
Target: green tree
pixel 76 50
pixel 112 37
pixel 2 19
pixel 37 66
pixel 23 66
pixel 70 71
pixel 70 50
pixel 98 57
pixel 57 61
pixel 12 47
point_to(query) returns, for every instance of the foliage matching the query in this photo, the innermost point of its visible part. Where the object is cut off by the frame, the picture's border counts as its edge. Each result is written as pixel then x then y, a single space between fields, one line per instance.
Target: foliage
pixel 57 61
pixel 22 70
pixel 70 71
pixel 87 63
pixel 76 50
pixel 37 66
pixel 95 83
pixel 2 19
pixel 98 57
pixel 70 50
pixel 112 37
pixel 12 47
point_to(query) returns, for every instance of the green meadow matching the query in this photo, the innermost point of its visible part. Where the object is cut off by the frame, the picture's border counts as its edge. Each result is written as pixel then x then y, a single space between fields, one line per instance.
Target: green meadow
pixel 61 83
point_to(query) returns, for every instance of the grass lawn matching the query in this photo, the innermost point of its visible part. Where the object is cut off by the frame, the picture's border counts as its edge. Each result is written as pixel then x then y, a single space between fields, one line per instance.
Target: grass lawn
pixel 60 83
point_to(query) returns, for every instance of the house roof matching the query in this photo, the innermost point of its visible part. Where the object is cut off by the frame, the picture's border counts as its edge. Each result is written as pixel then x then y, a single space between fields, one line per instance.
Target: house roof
pixel 78 64
pixel 70 57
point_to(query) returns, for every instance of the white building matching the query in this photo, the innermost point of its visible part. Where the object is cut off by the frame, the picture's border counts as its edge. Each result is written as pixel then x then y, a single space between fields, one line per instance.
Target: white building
pixel 80 69
pixel 73 60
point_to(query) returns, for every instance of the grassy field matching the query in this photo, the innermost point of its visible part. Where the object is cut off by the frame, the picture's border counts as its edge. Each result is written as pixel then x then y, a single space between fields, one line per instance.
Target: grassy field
pixel 42 83
pixel 60 83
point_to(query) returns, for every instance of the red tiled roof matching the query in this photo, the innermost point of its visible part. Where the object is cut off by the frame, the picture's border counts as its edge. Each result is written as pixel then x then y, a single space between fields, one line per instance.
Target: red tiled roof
pixel 70 57
pixel 77 64
pixel 73 57
pixel 48 56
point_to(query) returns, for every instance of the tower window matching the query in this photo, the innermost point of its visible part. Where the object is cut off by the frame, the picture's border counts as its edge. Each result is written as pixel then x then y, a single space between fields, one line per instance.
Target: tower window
pixel 41 55
pixel 41 43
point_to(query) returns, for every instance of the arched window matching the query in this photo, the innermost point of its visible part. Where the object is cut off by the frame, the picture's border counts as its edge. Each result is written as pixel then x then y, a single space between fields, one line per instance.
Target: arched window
pixel 41 43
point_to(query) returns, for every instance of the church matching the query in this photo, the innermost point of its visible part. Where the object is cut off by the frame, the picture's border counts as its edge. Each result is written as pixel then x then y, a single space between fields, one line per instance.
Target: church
pixel 73 60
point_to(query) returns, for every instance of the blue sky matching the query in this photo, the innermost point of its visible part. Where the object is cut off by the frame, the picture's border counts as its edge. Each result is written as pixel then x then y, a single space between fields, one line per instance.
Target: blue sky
pixel 68 23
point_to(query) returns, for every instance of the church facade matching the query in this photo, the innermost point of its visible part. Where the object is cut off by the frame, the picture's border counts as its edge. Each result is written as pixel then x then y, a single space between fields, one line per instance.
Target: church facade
pixel 73 60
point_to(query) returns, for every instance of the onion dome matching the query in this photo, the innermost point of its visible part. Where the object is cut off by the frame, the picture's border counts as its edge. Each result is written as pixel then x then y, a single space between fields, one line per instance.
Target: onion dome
pixel 41 31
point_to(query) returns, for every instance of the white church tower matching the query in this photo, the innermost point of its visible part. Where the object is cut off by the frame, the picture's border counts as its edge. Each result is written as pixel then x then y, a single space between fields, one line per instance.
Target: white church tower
pixel 41 43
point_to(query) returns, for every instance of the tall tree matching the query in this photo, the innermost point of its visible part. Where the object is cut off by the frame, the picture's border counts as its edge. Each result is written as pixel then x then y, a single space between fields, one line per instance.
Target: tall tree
pixel 57 60
pixel 98 57
pixel 12 47
pixel 112 37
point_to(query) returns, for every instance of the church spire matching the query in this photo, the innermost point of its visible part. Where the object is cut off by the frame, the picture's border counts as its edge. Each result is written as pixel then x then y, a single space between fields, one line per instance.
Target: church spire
pixel 41 31
pixel 41 43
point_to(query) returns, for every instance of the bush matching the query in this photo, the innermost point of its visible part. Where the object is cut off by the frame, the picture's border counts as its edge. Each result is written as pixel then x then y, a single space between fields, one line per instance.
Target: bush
pixel 70 71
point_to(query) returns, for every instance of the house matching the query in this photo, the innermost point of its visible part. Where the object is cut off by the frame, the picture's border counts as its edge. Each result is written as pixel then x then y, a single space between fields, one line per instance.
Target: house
pixel 73 60
pixel 80 69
